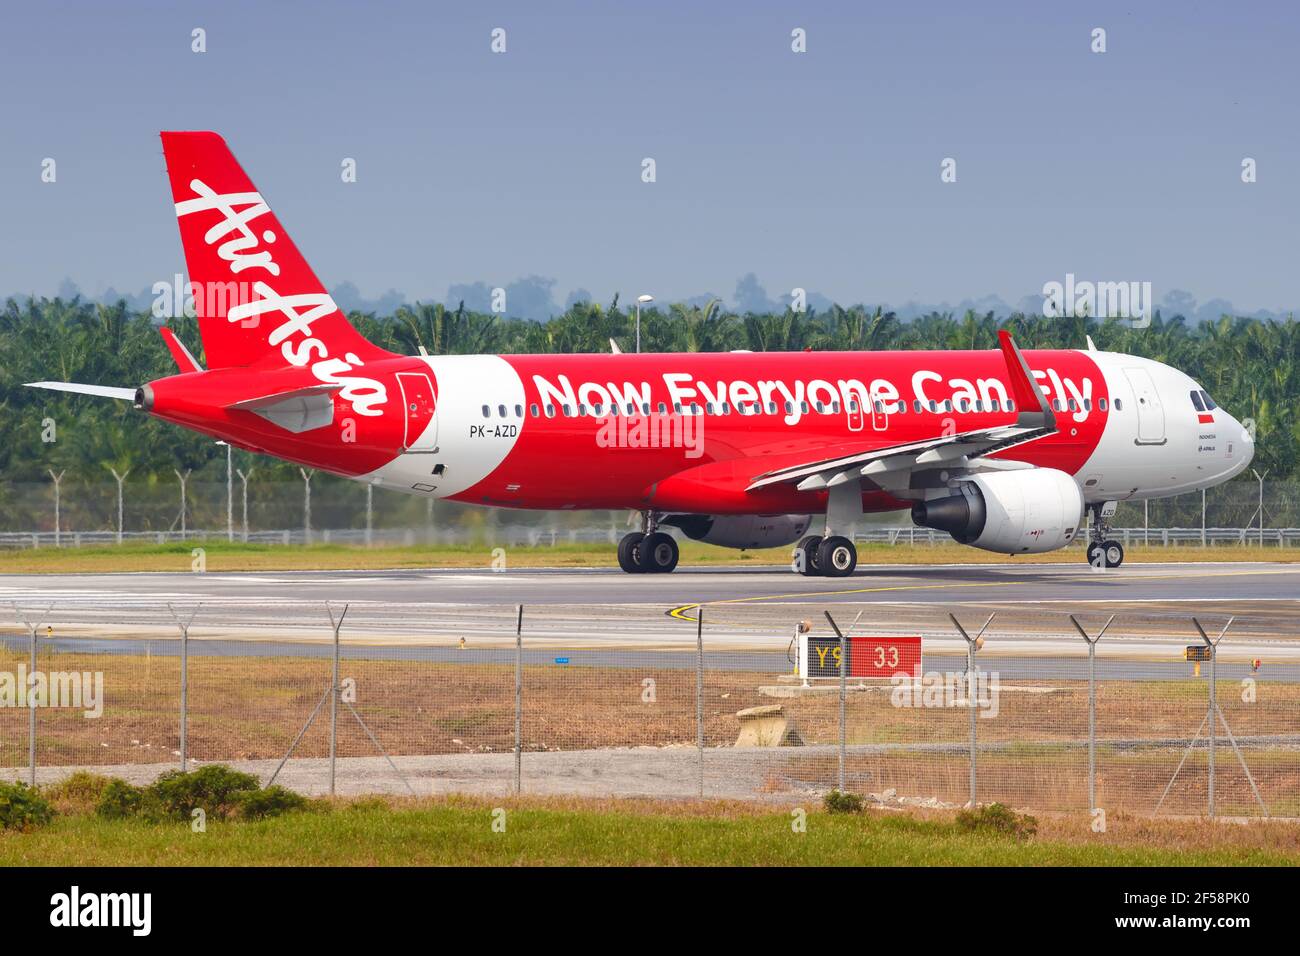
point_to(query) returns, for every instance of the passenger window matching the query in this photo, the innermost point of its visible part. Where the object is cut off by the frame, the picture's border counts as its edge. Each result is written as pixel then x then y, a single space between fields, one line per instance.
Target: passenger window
pixel 519 411
pixel 726 409
pixel 947 404
pixel 1011 406
pixel 501 410
pixel 487 412
pixel 1119 405
pixel 550 411
pixel 803 407
pixel 916 405
pixel 880 406
pixel 789 408
pixel 532 410
pixel 1087 404
pixel 1074 406
pixel 1102 403
pixel 595 409
pixel 708 408
pixel 677 407
pixel 567 412
pixel 853 405
pixel 820 407
pixel 994 405
pixel 1056 404
pixel 835 407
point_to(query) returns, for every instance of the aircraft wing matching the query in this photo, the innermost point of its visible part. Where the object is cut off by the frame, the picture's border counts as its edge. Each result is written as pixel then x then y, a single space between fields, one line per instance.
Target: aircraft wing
pixel 890 467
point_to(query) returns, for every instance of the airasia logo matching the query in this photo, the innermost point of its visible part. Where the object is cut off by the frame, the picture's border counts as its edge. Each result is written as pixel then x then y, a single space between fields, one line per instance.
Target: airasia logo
pixel 238 245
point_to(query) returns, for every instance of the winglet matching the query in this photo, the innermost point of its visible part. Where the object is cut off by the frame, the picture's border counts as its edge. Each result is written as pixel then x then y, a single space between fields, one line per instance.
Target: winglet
pixel 1092 346
pixel 184 360
pixel 1027 395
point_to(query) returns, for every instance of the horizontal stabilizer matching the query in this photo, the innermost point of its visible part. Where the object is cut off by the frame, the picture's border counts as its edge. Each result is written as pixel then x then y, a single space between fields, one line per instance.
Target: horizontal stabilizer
pixel 102 391
pixel 296 410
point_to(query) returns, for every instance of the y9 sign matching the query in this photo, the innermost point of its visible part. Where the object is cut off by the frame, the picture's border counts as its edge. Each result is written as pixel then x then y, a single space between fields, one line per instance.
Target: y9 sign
pixel 884 656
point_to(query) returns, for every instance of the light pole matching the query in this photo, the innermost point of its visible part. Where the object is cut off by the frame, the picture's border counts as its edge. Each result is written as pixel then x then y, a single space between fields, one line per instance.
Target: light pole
pixel 640 299
pixel 230 493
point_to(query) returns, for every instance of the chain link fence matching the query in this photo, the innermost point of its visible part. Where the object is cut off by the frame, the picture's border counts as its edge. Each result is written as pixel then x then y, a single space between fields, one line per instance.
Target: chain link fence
pixel 1024 709
pixel 326 509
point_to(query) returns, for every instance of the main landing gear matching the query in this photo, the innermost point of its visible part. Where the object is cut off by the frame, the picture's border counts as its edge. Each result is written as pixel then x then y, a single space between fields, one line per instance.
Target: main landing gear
pixel 650 550
pixel 832 555
pixel 1102 552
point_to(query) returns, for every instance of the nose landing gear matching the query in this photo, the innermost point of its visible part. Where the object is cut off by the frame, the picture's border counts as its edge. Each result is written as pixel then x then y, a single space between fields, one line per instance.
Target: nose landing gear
pixel 1102 552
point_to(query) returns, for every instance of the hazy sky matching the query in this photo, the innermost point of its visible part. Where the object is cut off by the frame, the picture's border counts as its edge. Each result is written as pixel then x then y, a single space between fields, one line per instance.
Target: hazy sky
pixel 819 170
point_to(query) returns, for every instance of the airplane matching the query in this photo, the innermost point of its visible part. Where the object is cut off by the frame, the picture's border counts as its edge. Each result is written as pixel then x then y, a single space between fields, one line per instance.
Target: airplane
pixel 1008 451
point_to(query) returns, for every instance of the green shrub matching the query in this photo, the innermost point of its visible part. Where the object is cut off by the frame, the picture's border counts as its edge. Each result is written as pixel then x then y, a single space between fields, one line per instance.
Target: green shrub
pixel 214 788
pixel 996 818
pixel 78 793
pixel 120 800
pixel 23 808
pixel 837 801
pixel 270 802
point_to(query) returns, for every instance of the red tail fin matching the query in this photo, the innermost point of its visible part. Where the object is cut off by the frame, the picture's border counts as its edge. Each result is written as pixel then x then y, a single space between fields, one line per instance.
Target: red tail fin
pixel 258 301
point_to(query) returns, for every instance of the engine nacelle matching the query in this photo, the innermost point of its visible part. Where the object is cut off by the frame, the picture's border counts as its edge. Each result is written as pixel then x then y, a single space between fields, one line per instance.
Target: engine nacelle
pixel 742 531
pixel 1010 512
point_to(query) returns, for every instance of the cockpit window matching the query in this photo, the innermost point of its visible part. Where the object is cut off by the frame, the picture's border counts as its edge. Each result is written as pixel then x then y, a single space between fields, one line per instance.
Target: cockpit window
pixel 1197 403
pixel 1209 402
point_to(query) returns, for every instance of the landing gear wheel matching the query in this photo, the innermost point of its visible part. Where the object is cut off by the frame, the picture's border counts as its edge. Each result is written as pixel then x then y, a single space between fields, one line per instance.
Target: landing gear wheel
pixel 629 552
pixel 1105 554
pixel 657 553
pixel 806 556
pixel 837 557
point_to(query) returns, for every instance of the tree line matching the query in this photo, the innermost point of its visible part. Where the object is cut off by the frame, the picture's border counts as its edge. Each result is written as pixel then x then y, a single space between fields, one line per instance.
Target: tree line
pixel 1249 366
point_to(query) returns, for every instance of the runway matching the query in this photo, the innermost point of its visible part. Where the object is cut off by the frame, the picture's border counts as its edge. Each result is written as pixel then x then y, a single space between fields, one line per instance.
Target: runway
pixel 743 608
pixel 965 583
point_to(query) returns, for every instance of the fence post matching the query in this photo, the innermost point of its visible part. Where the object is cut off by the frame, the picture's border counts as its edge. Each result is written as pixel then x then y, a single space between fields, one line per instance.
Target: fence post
pixel 844 670
pixel 973 644
pixel 519 700
pixel 699 691
pixel 1212 707
pixel 32 623
pixel 185 679
pixel 334 692
pixel 31 712
pixel 1092 706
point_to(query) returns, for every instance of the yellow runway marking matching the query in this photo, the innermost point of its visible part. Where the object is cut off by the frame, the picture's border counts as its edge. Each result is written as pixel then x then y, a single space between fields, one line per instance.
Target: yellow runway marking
pixel 676 612
pixel 680 612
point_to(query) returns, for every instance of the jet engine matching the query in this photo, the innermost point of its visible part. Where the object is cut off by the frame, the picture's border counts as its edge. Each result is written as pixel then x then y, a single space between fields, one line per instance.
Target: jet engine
pixel 1010 512
pixel 741 531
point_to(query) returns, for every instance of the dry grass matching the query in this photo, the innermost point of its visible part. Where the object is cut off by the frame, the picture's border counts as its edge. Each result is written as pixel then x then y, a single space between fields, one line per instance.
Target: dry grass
pixel 251 708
